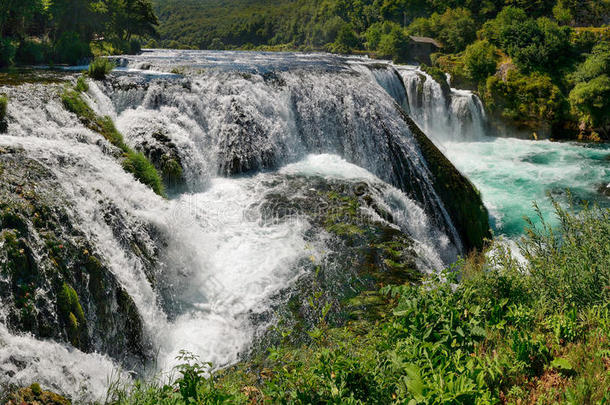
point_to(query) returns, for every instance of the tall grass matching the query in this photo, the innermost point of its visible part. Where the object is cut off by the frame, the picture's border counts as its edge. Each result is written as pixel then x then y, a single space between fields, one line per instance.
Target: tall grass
pixel 536 331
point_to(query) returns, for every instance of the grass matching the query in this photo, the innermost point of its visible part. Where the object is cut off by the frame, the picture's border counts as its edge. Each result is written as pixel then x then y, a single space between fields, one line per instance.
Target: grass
pixel 99 68
pixel 133 162
pixel 491 330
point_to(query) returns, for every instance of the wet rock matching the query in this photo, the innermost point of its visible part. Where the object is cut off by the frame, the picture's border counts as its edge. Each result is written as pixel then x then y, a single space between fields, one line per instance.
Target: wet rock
pixel 244 145
pixel 53 283
pixel 460 197
pixel 34 395
pixel 163 154
pixel 364 251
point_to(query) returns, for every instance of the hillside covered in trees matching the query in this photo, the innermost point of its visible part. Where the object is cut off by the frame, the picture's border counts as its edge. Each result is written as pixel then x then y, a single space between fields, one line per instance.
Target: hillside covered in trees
pixel 553 53
pixel 64 31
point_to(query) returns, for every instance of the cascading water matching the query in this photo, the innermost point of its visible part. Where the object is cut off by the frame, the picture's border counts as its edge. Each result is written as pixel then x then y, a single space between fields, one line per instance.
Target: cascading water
pixel 454 115
pixel 511 173
pixel 204 269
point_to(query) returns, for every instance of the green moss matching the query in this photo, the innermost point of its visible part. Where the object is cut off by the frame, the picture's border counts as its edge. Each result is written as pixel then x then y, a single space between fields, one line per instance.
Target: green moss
pixel 36 390
pixel 459 195
pixel 71 311
pixel 439 76
pixel 134 162
pixel 172 170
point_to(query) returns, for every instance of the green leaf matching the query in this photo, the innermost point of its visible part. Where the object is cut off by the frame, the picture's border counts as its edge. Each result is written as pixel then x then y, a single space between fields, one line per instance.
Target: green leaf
pixel 561 363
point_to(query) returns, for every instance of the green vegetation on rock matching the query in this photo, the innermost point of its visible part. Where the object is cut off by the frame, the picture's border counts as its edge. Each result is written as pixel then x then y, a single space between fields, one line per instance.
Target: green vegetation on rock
pixel 34 394
pixel 133 162
pixel 460 196
pixel 3 107
pixel 70 310
pixel 99 68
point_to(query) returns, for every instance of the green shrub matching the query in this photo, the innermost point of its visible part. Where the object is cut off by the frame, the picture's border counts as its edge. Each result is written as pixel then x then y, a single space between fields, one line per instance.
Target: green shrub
pixel 81 84
pixel 3 107
pixel 531 101
pixel 99 68
pixel 70 49
pixel 346 40
pixel 455 28
pixel 566 266
pixel 7 52
pixel 591 100
pixel 596 64
pixel 480 60
pixel 394 44
pixel 533 44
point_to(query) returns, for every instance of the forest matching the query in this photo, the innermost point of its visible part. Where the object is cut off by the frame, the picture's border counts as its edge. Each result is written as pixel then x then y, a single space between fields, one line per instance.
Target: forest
pixel 553 54
pixel 70 31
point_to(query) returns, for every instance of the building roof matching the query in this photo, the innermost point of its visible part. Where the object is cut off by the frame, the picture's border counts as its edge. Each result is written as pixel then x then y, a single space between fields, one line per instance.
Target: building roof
pixel 426 40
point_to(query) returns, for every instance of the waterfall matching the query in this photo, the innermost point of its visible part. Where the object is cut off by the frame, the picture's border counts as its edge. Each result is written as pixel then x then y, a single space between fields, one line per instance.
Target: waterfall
pixel 457 115
pixel 204 268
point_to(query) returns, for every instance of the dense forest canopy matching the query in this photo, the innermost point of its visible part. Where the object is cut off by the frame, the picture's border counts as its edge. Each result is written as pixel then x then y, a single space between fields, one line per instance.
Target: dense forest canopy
pixel 61 31
pixel 553 54
pixel 315 23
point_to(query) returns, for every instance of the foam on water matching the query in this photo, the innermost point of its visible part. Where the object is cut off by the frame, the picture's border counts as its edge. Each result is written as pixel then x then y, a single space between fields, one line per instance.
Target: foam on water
pixel 513 173
pixel 220 264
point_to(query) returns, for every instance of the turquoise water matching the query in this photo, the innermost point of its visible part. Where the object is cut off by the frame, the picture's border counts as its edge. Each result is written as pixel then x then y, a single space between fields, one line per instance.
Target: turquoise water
pixel 512 174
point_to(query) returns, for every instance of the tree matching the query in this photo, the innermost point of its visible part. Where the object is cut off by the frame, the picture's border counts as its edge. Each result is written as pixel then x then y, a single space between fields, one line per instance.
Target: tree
pixel 533 44
pixel 15 16
pixel 592 100
pixel 76 16
pixel 394 44
pixel 597 64
pixel 346 40
pixel 562 14
pixel 455 28
pixel 480 60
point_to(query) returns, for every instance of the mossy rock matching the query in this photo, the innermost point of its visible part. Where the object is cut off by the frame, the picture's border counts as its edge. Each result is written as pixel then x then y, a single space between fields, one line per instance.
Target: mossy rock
pixel 71 311
pixel 460 197
pixel 52 284
pixel 132 161
pixel 364 253
pixel 35 395
pixel 440 77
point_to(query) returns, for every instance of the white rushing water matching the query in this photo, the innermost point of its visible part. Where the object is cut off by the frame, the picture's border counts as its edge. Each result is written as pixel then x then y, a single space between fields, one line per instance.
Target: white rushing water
pixel 220 263
pixel 239 122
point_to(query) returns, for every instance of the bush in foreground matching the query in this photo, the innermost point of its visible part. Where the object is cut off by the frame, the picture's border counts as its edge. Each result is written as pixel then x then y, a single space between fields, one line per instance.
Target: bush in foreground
pixel 536 331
